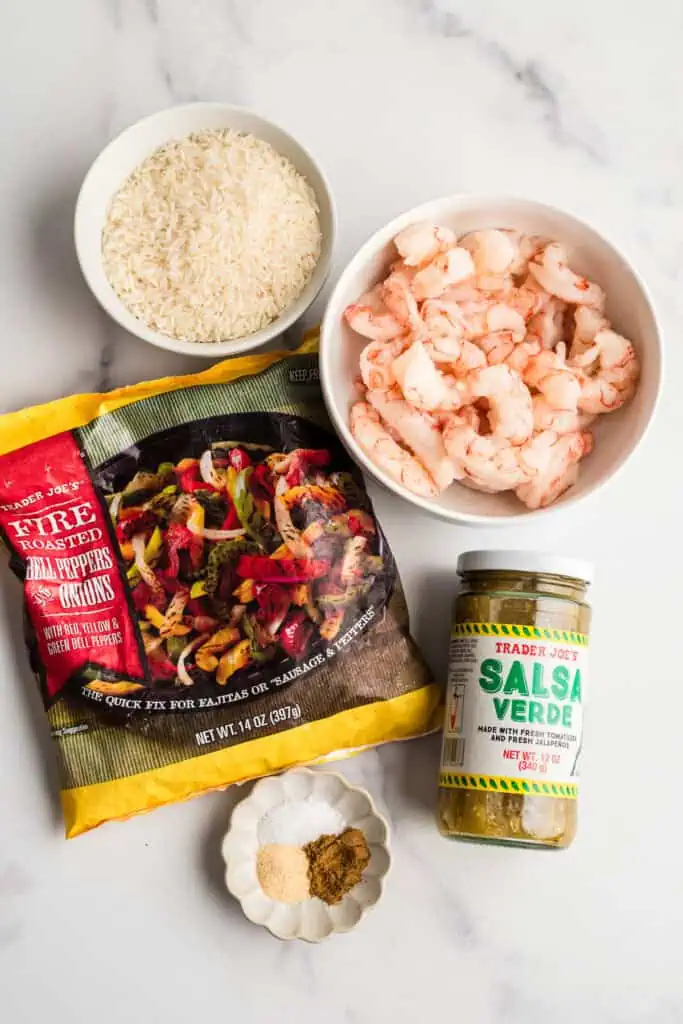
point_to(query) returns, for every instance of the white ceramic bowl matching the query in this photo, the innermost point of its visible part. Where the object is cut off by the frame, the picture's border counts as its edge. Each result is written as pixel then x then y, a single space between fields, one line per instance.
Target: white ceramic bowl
pixel 628 307
pixel 120 158
pixel 297 808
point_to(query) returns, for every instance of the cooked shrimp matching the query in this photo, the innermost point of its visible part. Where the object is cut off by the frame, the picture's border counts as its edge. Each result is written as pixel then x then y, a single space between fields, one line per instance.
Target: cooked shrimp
pixel 482 318
pixel 521 354
pixel 444 350
pixel 543 491
pixel 612 368
pixel 497 285
pixel 493 251
pixel 487 463
pixel 466 291
pixel 548 324
pixel 376 361
pixel 442 319
pixel 471 358
pixel 551 462
pixel 526 248
pixel 549 374
pixel 510 415
pixel 420 243
pixel 484 288
pixel 447 268
pixel 399 299
pixel 587 323
pixel 551 270
pixel 421 382
pixel 547 417
pixel 417 431
pixel 376 442
pixel 371 318
pixel 528 298
pixel 456 356
pixel 498 347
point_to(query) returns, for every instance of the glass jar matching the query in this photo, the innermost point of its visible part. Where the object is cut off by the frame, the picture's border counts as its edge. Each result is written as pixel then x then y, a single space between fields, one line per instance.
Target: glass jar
pixel 513 718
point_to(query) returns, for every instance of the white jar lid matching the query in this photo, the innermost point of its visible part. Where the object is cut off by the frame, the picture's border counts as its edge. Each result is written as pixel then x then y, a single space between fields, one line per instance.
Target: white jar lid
pixel 525 561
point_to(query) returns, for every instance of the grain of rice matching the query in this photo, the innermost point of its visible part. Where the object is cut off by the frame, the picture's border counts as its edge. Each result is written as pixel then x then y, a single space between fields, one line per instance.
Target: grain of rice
pixel 212 237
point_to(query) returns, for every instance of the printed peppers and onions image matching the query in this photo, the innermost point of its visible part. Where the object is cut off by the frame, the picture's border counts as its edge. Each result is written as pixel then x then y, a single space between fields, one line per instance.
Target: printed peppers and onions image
pixel 242 557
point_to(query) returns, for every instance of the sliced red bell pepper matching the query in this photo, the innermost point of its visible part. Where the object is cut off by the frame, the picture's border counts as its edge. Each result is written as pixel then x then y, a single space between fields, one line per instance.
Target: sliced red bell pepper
pixel 273 602
pixel 295 634
pixel 195 606
pixel 143 595
pixel 180 538
pixel 170 583
pixel 304 459
pixel 281 570
pixel 132 521
pixel 190 480
pixel 356 525
pixel 261 482
pixel 232 520
pixel 239 459
pixel 162 668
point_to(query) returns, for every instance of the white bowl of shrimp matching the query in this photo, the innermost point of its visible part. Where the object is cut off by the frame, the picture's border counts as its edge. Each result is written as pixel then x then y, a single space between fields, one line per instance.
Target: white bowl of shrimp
pixel 490 358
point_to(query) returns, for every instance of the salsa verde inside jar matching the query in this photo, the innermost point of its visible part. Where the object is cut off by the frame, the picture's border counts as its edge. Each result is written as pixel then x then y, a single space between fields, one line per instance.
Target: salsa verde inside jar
pixel 513 718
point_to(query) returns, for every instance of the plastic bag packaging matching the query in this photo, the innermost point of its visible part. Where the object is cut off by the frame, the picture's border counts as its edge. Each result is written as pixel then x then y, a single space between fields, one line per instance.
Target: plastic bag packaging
pixel 209 595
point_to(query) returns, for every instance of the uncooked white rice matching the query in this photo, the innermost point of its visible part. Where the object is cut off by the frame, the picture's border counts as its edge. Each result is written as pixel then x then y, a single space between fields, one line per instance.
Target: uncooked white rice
pixel 211 237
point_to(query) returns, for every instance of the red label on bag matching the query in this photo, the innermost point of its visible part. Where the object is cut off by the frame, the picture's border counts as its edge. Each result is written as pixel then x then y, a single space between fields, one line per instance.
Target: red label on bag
pixel 75 595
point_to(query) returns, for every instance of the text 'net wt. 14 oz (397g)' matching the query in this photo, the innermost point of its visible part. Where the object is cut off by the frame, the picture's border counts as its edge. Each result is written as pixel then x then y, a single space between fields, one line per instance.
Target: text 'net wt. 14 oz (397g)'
pixel 209 595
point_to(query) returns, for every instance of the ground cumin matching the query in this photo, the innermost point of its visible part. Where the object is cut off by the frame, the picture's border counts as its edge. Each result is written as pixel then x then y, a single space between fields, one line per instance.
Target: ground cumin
pixel 336 863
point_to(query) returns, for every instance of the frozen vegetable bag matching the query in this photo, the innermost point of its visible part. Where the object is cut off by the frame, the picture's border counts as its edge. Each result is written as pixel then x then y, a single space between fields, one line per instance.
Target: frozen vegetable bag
pixel 209 596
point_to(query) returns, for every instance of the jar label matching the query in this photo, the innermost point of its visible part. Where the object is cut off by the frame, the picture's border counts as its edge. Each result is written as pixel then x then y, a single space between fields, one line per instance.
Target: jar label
pixel 514 709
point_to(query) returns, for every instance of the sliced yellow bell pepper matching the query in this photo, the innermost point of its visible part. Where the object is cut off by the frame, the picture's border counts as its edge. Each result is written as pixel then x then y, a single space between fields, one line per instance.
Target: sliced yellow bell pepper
pixel 232 661
pixel 112 689
pixel 245 592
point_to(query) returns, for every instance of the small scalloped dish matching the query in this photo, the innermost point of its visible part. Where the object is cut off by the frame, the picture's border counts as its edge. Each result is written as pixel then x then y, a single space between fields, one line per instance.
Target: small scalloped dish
pixel 296 808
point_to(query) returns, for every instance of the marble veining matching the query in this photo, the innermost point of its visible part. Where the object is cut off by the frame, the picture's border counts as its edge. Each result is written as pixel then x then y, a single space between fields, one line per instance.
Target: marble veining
pixel 400 100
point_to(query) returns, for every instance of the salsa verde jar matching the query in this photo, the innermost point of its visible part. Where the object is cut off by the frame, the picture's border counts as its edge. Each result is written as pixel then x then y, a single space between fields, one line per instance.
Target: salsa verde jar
pixel 514 702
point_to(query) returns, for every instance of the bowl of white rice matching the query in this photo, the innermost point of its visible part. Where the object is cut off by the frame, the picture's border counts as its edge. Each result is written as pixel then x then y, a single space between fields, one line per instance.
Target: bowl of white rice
pixel 205 229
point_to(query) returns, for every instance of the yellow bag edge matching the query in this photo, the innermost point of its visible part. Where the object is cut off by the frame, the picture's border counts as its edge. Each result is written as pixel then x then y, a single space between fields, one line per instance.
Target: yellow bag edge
pixel 37 422
pixel 411 715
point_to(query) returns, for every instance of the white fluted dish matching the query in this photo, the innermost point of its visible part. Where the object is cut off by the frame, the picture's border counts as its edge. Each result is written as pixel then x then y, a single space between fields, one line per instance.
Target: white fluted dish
pixel 297 808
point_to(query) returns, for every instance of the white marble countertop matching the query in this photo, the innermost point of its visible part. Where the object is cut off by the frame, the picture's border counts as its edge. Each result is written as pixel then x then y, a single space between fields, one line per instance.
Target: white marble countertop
pixel 401 100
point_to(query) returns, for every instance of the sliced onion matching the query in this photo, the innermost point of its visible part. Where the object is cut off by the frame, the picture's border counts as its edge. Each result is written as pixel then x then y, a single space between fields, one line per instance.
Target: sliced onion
pixel 206 470
pixel 201 531
pixel 183 675
pixel 223 534
pixel 146 571
pixel 138 545
pixel 115 504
